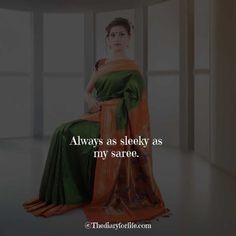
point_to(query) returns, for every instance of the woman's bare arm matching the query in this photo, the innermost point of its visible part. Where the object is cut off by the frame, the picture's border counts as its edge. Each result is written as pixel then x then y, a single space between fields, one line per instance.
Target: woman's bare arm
pixel 93 104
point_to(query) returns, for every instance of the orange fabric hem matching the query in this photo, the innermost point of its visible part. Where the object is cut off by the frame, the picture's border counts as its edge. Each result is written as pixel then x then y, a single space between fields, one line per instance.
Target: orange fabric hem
pixel 38 207
pixel 98 215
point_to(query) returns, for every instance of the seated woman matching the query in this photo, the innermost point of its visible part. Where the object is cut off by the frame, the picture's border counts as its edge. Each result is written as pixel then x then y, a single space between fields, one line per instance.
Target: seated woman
pixel 115 188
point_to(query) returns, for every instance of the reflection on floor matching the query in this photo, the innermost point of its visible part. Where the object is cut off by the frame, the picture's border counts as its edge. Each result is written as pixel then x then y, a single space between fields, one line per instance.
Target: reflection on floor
pixel 200 196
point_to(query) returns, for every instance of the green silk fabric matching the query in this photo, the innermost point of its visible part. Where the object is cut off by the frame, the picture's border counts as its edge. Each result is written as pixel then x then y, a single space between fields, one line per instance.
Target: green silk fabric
pixel 69 169
pixel 127 85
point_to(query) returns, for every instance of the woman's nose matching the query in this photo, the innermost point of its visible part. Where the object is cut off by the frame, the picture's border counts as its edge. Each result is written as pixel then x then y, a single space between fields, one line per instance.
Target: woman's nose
pixel 116 36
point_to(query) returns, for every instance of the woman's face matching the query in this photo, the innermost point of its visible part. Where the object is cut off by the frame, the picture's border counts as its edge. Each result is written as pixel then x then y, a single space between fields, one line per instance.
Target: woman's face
pixel 118 38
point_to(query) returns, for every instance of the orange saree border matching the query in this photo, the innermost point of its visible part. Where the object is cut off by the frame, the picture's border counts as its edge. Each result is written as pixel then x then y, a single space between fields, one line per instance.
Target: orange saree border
pixel 117 65
pixel 102 208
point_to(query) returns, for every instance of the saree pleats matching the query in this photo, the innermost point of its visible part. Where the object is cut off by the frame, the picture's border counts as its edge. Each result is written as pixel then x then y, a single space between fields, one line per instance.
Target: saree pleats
pixel 115 188
pixel 67 182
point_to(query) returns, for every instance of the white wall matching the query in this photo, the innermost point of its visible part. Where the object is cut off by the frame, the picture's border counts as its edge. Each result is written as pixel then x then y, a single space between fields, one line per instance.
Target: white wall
pixel 163 74
pixel 202 79
pixel 63 78
pixel 15 80
pixel 63 69
pixel 223 74
pixel 163 70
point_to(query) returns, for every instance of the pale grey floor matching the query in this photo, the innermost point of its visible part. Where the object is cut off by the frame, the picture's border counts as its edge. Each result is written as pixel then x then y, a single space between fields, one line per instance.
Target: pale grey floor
pixel 202 198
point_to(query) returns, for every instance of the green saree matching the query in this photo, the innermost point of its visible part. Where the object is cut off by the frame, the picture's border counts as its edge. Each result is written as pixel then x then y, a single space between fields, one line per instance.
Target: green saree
pixel 110 189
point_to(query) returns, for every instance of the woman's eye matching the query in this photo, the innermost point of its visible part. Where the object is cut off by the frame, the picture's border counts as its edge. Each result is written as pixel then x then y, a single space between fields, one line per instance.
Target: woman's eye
pixel 113 34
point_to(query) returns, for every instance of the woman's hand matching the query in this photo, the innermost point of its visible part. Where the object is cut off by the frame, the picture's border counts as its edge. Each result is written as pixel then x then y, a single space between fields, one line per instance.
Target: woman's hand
pixel 93 104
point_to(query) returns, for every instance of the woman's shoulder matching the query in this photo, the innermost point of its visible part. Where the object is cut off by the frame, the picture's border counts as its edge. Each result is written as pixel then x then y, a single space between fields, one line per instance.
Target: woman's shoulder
pixel 100 62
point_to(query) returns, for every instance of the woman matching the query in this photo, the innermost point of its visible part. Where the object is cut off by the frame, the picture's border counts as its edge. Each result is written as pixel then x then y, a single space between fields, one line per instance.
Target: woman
pixel 113 189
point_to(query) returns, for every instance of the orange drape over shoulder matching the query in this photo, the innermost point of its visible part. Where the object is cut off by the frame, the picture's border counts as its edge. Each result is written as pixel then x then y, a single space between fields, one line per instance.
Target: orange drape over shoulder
pixel 124 188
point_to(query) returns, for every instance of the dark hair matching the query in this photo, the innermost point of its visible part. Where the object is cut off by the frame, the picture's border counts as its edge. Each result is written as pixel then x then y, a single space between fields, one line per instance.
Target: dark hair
pixel 119 21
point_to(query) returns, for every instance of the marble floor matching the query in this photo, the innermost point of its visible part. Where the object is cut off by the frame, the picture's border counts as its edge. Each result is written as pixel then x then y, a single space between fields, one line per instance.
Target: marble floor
pixel 202 198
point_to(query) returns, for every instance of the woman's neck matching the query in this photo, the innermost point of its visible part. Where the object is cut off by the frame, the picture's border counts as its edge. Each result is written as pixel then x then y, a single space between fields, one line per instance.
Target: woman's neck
pixel 118 55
